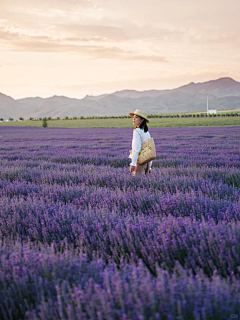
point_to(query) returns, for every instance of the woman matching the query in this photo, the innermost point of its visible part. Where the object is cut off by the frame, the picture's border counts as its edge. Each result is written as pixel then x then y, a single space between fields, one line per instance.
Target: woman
pixel 140 134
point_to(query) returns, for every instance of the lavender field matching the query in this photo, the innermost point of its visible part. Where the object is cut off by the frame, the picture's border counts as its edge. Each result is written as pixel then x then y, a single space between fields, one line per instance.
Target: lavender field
pixel 80 238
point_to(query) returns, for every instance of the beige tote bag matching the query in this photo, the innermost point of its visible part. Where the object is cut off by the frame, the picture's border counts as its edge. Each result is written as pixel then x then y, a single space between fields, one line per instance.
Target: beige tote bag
pixel 147 152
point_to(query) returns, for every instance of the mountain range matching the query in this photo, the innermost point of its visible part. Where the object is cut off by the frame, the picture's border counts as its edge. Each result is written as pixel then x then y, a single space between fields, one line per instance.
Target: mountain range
pixel 223 93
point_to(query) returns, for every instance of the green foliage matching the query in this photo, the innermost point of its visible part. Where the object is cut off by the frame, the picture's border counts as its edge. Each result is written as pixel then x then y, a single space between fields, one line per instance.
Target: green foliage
pixel 160 120
pixel 44 122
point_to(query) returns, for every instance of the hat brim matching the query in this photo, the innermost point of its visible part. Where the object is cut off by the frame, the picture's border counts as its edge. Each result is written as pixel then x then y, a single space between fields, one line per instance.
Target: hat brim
pixel 132 114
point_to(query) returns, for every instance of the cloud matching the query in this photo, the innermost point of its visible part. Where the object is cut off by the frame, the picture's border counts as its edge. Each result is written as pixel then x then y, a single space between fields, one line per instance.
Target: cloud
pixel 80 26
pixel 25 43
pixel 83 19
pixel 13 5
pixel 216 38
pixel 106 33
pixel 90 51
pixel 5 35
pixel 87 21
pixel 43 15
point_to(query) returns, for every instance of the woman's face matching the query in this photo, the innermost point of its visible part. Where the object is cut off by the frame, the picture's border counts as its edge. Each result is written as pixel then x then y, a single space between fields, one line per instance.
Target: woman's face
pixel 137 120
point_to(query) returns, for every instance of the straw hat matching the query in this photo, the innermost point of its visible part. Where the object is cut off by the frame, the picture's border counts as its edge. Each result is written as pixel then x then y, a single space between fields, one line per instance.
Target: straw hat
pixel 140 113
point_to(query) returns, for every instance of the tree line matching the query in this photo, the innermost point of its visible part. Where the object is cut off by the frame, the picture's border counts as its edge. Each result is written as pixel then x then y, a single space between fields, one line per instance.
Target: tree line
pixel 169 115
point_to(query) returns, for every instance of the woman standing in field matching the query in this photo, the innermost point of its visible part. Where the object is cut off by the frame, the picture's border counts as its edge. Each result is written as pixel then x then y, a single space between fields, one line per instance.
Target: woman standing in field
pixel 140 134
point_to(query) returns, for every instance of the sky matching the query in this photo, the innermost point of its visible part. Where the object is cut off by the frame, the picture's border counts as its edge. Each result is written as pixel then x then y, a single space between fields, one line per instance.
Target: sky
pixel 76 48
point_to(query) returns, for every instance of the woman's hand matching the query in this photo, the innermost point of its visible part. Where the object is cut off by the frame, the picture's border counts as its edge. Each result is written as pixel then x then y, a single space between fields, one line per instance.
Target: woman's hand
pixel 132 169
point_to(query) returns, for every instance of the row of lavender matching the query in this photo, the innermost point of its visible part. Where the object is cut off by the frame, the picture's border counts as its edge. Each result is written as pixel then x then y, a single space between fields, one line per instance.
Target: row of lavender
pixel 82 239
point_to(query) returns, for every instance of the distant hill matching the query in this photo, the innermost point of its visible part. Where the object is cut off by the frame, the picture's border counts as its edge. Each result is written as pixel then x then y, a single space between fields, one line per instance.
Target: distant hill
pixel 222 87
pixel 223 93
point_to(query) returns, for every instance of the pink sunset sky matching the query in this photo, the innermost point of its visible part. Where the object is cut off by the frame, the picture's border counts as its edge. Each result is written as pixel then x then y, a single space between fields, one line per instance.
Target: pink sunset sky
pixel 80 47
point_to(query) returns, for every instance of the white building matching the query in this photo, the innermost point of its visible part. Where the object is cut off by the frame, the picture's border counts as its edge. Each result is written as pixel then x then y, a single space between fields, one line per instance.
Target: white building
pixel 211 111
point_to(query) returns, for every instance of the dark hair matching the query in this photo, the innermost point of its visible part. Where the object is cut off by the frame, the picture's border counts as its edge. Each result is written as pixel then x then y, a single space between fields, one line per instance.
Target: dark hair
pixel 143 125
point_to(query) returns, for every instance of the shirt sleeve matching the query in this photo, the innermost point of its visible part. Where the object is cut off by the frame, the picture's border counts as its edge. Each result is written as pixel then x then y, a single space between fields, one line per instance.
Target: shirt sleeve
pixel 136 147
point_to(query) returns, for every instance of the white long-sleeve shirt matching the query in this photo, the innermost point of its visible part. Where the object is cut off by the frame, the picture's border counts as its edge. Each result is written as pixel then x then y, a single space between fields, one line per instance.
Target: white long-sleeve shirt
pixel 138 138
